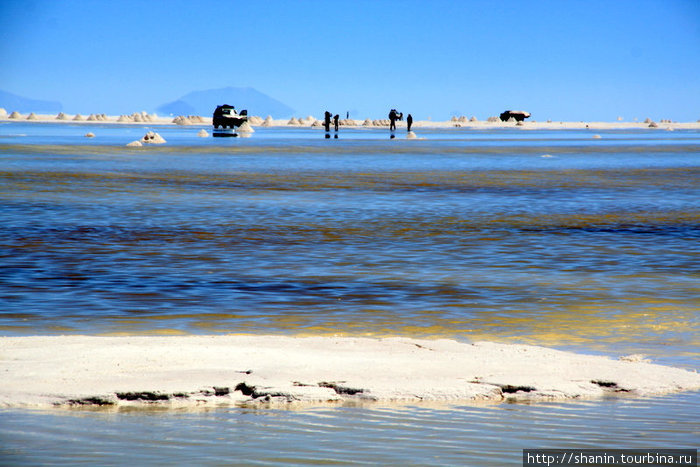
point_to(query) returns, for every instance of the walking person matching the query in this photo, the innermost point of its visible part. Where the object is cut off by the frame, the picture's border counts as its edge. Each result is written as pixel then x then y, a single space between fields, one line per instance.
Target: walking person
pixel 392 120
pixel 409 122
pixel 335 122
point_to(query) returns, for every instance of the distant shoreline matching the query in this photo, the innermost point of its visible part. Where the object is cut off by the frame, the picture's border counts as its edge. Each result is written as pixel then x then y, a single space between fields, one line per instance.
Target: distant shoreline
pixel 143 119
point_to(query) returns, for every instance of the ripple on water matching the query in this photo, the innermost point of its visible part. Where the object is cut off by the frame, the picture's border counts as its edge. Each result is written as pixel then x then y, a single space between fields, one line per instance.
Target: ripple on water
pixel 421 435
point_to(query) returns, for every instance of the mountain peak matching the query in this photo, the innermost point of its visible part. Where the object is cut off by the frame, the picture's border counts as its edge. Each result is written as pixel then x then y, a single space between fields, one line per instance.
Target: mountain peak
pixel 12 102
pixel 204 102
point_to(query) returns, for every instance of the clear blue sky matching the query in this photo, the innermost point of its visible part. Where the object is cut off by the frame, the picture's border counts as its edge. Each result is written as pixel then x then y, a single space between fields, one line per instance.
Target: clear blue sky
pixel 570 60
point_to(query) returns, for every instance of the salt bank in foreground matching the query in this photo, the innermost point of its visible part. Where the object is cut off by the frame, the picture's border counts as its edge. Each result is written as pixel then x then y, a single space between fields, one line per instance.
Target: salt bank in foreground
pixel 194 371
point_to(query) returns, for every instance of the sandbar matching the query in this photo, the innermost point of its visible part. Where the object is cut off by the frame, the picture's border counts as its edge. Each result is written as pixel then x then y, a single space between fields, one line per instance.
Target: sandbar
pixel 240 370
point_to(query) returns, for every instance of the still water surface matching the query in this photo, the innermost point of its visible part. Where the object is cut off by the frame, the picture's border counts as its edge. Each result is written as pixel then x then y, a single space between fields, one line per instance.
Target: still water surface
pixel 545 237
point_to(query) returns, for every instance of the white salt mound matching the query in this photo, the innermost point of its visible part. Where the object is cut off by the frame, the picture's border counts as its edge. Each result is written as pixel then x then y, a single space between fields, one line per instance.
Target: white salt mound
pixel 268 121
pixel 32 116
pixel 411 135
pixel 202 133
pixel 78 118
pixel 3 112
pixel 135 144
pixel 15 114
pixel 245 128
pixel 61 116
pixel 152 138
pixel 182 120
pixel 90 135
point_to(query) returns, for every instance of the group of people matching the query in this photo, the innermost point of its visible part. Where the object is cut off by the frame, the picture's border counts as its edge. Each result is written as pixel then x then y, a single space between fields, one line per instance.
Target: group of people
pixel 393 116
pixel 327 121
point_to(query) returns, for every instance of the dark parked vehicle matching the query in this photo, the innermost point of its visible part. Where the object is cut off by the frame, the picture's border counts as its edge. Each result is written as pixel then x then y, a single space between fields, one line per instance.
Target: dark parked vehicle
pixel 518 115
pixel 226 116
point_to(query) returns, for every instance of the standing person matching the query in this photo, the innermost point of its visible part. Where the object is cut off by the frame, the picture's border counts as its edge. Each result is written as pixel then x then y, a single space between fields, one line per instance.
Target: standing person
pixel 327 121
pixel 335 122
pixel 392 119
pixel 409 121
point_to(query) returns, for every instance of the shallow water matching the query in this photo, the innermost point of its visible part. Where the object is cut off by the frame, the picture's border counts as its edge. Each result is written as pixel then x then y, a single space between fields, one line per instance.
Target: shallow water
pixel 545 237
pixel 422 435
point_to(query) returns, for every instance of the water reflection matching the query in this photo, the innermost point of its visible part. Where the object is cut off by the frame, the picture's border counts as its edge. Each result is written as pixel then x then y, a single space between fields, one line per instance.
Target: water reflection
pixel 385 435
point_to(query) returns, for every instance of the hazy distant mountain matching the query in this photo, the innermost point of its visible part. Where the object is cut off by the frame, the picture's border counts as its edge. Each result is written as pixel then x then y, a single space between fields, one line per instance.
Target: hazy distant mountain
pixel 204 103
pixel 12 102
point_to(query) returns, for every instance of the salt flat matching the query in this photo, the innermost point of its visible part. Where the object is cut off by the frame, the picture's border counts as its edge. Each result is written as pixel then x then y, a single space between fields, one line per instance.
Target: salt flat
pixel 193 371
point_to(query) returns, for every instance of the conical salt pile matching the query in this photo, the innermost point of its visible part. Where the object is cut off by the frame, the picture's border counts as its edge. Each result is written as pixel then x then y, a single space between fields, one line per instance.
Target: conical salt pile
pixel 78 118
pixel 182 120
pixel 61 116
pixel 32 116
pixel 15 114
pixel 245 128
pixel 268 121
pixel 152 138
